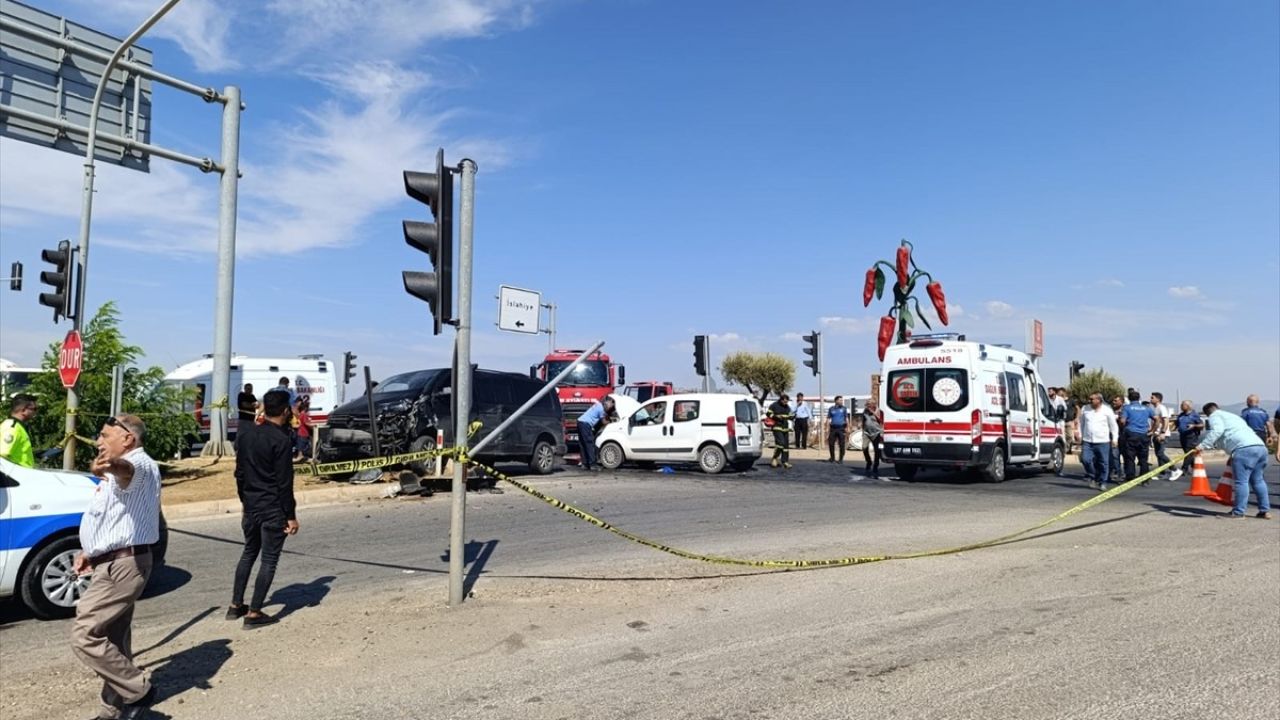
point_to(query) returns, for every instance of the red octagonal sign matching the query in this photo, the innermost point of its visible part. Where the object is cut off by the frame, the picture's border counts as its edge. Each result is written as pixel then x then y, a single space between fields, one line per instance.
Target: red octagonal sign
pixel 70 358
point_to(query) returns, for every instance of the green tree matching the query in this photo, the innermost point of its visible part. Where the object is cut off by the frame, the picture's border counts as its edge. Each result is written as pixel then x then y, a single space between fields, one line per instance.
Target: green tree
pixel 145 394
pixel 1095 381
pixel 762 374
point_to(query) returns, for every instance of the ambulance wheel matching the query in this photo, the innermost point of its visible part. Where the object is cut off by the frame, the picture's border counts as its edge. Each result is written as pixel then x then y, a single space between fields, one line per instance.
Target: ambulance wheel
pixel 1056 460
pixel 997 471
pixel 711 459
pixel 906 473
pixel 611 456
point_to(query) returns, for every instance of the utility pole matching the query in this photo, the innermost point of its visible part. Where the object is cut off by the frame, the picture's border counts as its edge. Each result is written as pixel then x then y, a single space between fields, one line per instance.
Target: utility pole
pixel 218 446
pixel 551 326
pixel 86 211
pixel 462 383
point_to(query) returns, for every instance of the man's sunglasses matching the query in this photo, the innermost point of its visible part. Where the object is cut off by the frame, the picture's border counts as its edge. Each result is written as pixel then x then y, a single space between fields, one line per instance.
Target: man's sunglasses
pixel 113 422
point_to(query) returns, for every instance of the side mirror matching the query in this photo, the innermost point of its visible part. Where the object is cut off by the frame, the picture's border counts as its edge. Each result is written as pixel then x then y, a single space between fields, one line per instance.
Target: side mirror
pixel 533 372
pixel 622 374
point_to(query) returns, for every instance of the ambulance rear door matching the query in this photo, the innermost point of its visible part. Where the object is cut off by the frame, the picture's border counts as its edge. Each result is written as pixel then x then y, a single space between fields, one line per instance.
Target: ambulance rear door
pixel 1019 421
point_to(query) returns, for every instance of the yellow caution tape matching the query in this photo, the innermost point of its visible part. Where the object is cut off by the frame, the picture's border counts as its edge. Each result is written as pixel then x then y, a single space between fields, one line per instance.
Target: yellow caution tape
pixel 376 463
pixel 802 563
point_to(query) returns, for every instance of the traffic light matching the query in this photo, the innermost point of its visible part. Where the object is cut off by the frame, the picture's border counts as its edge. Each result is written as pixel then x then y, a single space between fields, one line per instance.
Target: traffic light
pixel 1076 367
pixel 701 349
pixel 59 279
pixel 15 276
pixel 814 351
pixel 348 367
pixel 435 239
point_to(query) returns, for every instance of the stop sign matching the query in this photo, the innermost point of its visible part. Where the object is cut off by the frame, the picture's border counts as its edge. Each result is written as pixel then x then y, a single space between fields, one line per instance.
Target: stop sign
pixel 70 358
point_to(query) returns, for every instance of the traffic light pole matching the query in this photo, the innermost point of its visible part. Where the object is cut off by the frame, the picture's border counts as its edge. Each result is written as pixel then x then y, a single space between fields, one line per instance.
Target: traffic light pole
pixel 86 211
pixel 462 384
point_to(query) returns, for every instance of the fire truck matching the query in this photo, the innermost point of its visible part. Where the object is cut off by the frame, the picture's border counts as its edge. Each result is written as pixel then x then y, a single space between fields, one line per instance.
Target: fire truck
pixel 596 377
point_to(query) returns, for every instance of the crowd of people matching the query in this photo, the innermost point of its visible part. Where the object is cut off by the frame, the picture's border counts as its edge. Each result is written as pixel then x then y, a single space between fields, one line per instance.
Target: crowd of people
pixel 302 429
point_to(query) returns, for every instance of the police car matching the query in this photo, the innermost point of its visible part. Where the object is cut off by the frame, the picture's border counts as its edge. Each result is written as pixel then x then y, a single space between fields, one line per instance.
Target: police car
pixel 965 405
pixel 40 513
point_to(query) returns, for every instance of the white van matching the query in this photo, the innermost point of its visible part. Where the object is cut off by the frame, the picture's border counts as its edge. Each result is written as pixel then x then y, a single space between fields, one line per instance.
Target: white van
pixel 953 404
pixel 309 376
pixel 714 430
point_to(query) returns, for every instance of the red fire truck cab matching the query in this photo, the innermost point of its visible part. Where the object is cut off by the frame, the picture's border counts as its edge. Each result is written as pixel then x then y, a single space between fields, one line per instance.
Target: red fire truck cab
pixel 596 377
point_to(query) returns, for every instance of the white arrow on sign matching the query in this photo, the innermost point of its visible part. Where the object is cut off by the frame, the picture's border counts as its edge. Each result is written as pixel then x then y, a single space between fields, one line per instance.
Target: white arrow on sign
pixel 518 309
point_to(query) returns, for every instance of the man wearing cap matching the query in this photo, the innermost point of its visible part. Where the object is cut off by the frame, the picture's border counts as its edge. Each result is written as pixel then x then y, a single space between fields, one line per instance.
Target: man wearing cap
pixel 116 534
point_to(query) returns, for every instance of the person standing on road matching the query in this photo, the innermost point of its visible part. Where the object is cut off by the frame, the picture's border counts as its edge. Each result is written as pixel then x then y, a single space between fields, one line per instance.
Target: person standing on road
pixel 587 422
pixel 1163 421
pixel 1117 464
pixel 780 413
pixel 1256 418
pixel 1097 435
pixel 1138 421
pixel 247 405
pixel 803 414
pixel 1248 458
pixel 15 442
pixel 837 429
pixel 264 482
pixel 116 535
pixel 872 438
pixel 1189 427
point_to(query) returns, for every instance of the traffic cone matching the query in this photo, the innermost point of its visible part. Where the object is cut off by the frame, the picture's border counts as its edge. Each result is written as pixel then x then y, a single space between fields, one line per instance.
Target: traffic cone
pixel 1226 491
pixel 1200 482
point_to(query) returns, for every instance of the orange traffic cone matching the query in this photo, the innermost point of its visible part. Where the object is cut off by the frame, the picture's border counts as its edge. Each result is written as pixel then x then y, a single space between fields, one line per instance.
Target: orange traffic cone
pixel 1225 493
pixel 1200 482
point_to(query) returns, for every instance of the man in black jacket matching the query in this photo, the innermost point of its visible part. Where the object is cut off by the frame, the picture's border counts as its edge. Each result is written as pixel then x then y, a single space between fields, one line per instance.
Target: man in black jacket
pixel 264 481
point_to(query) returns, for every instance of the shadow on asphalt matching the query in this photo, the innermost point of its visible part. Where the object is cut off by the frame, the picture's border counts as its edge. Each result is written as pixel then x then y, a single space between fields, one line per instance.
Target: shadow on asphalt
pixel 190 669
pixel 370 563
pixel 299 595
pixel 167 579
pixel 475 555
pixel 178 630
pixel 1184 511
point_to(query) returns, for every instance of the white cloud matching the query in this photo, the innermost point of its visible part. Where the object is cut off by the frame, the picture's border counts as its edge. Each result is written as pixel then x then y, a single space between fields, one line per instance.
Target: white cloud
pixel 729 337
pixel 998 309
pixel 837 323
pixel 1110 282
pixel 954 311
pixel 1186 292
pixel 791 336
pixel 201 28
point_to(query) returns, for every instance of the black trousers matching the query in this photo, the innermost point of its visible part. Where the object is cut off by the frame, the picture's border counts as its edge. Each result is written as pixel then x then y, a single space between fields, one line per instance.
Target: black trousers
pixel 802 433
pixel 1188 441
pixel 835 439
pixel 1136 447
pixel 871 451
pixel 587 444
pixel 262 536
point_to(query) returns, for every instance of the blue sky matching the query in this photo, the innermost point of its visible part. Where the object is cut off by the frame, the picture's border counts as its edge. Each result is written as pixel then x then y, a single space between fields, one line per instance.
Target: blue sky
pixel 664 169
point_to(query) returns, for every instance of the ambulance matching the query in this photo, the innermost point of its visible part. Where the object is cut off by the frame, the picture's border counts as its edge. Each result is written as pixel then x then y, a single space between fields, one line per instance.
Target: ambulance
pixel 953 404
pixel 310 376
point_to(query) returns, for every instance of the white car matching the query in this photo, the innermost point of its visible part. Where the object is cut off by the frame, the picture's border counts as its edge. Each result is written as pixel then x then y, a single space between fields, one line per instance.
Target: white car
pixel 714 430
pixel 40 513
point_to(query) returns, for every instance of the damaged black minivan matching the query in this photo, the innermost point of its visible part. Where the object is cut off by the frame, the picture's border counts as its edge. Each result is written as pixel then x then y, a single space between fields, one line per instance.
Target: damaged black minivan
pixel 410 407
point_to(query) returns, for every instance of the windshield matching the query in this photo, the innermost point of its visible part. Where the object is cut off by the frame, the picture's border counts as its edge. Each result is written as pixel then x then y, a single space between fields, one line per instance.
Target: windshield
pixel 589 373
pixel 407 382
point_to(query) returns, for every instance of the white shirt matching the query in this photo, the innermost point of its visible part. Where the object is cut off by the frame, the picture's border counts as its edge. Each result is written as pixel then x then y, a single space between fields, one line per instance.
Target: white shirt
pixel 1163 413
pixel 119 518
pixel 1098 426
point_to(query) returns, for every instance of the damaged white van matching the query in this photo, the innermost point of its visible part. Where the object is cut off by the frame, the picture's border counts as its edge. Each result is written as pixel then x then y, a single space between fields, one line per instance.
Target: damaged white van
pixel 954 404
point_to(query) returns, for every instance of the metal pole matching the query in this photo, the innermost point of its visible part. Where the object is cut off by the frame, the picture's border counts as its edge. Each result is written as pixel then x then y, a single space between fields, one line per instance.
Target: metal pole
pixel 551 385
pixel 86 212
pixel 462 382
pixel 218 445
pixel 373 417
pixel 822 399
pixel 117 389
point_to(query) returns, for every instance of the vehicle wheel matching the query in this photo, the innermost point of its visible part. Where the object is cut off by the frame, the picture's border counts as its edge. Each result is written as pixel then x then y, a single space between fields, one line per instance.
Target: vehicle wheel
pixel 711 459
pixel 1056 460
pixel 997 471
pixel 611 456
pixel 906 473
pixel 423 467
pixel 543 460
pixel 49 584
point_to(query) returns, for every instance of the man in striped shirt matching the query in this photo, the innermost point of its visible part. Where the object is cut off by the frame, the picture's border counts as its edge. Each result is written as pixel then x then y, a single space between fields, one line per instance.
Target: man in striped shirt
pixel 116 534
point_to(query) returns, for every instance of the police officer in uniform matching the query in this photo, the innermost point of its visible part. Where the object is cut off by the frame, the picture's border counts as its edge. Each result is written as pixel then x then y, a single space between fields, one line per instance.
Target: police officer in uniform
pixel 15 443
pixel 780 413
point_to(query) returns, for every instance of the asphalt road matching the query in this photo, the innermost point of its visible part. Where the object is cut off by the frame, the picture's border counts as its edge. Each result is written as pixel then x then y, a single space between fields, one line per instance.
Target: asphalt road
pixel 1145 605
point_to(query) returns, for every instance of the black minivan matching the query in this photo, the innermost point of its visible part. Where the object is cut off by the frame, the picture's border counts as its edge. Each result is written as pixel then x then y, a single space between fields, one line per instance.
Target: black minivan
pixel 410 407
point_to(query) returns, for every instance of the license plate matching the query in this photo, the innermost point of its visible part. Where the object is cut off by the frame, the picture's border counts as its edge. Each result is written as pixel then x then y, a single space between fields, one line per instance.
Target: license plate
pixel 744 440
pixel 572 438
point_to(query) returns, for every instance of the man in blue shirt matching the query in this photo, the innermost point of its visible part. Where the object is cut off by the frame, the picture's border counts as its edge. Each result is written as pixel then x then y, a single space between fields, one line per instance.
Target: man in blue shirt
pixel 1138 421
pixel 1189 428
pixel 1248 458
pixel 838 426
pixel 1256 418
pixel 587 422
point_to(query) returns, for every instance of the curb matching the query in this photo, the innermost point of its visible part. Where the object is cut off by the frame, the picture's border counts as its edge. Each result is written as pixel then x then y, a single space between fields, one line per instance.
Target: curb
pixel 306 498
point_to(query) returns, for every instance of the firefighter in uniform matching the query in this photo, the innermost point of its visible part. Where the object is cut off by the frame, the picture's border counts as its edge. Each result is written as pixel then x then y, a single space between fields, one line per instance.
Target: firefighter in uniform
pixel 15 443
pixel 780 413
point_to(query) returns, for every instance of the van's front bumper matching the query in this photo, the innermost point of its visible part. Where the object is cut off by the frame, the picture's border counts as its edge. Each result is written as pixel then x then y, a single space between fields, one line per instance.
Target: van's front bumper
pixel 952 455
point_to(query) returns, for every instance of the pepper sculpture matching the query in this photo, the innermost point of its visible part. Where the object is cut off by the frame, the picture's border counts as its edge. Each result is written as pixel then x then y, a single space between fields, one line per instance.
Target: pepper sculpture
pixel 896 326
